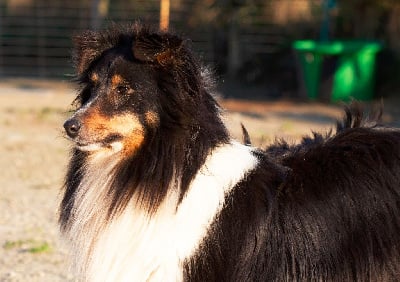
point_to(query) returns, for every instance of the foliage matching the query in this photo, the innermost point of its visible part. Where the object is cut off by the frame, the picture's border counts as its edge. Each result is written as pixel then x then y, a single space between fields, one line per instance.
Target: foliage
pixel 29 245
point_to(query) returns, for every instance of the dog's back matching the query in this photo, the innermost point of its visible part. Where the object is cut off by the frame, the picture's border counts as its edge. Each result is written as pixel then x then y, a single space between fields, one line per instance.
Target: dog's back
pixel 327 210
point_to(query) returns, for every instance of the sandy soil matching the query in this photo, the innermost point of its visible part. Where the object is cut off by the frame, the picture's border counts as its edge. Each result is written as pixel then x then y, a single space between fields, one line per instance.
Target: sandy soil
pixel 34 157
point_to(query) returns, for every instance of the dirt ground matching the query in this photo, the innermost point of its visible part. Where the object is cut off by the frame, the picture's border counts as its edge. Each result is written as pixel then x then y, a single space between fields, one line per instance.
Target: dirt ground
pixel 33 159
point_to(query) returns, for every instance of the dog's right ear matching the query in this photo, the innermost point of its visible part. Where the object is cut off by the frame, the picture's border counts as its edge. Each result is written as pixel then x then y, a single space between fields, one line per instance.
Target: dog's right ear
pixel 161 49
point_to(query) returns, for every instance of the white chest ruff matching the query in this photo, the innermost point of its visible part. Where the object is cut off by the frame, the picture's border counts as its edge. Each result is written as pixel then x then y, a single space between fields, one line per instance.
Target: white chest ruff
pixel 134 247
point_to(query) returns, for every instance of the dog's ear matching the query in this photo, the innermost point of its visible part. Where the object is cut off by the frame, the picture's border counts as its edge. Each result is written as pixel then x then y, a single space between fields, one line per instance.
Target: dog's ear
pixel 174 60
pixel 161 49
pixel 88 46
pixel 83 53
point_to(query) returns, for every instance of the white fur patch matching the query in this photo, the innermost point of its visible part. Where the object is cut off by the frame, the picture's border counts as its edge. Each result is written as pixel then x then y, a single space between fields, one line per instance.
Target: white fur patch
pixel 134 247
pixel 90 147
pixel 113 148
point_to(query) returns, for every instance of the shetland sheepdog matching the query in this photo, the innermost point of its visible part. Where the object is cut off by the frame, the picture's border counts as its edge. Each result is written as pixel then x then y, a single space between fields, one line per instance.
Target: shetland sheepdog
pixel 157 190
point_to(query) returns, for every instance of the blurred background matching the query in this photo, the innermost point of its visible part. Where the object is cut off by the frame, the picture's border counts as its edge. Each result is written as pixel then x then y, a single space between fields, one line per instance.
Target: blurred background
pixel 283 69
pixel 248 42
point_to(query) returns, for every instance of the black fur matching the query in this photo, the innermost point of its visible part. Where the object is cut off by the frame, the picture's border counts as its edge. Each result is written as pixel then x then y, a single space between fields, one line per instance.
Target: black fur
pixel 327 209
pixel 324 210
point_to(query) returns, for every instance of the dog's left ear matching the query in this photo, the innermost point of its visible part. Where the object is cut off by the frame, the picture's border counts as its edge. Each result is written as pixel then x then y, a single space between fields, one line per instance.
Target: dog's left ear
pixel 89 46
pixel 161 49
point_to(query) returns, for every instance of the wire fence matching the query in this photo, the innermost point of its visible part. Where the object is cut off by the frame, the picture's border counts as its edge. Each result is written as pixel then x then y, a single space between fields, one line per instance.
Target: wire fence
pixel 35 35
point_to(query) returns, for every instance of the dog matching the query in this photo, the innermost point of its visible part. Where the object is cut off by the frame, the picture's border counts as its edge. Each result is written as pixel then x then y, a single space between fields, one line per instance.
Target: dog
pixel 157 189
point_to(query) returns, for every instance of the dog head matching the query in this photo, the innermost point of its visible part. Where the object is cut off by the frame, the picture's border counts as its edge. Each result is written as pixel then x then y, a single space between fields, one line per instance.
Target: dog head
pixel 146 103
pixel 135 83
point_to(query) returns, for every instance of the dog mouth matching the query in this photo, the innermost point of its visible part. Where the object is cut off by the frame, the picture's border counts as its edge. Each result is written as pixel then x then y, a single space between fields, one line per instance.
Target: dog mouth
pixel 113 142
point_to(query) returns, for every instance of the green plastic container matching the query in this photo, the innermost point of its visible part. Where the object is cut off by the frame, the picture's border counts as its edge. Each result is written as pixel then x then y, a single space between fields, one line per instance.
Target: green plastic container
pixel 354 74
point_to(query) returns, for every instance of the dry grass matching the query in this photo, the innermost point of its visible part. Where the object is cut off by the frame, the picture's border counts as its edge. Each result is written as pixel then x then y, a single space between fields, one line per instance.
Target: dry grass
pixel 34 156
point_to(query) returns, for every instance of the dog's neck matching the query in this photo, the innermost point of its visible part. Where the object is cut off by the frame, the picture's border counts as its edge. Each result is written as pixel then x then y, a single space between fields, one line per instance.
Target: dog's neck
pixel 154 245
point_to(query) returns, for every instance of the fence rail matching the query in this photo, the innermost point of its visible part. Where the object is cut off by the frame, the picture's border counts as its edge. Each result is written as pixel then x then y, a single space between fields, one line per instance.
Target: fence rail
pixel 35 35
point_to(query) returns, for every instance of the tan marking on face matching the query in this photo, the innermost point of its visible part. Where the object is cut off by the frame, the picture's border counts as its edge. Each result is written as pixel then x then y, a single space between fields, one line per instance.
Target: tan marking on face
pixel 97 127
pixel 94 77
pixel 133 142
pixel 124 124
pixel 116 80
pixel 151 118
pixel 131 129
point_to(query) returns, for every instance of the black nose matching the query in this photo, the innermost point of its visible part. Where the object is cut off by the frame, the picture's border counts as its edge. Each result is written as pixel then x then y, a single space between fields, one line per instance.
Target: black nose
pixel 72 127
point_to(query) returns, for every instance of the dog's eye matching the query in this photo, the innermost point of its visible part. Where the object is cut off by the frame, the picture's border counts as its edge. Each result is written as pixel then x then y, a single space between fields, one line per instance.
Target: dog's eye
pixel 84 95
pixel 122 89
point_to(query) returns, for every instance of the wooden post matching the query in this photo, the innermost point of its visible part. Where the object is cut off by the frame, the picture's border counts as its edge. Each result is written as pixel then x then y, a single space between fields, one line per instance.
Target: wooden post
pixel 99 10
pixel 164 14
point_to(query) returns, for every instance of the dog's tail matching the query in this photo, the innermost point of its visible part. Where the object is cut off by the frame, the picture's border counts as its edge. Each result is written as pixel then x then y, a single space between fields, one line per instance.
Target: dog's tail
pixel 355 117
